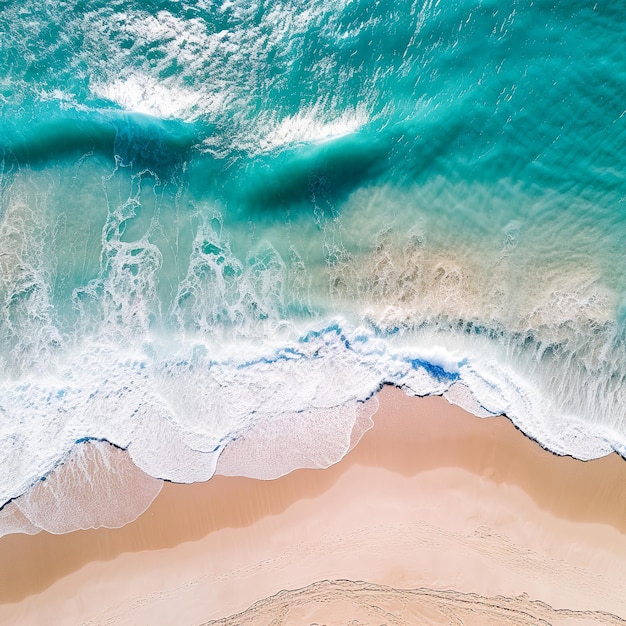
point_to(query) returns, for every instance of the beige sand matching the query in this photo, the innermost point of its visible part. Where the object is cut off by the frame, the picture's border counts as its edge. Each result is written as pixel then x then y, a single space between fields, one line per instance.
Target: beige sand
pixel 431 498
pixel 357 603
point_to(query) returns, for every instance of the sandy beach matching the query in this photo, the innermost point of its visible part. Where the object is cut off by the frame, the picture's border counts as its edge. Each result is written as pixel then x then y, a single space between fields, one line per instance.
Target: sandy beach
pixel 432 499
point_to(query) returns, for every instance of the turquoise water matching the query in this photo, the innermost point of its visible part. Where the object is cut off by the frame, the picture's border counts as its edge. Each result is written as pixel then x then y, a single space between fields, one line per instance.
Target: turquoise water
pixel 214 216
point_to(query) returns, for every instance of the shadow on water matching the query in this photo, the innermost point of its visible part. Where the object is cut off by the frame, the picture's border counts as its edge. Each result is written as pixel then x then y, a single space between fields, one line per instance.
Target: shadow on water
pixel 145 141
pixel 324 174
pixel 319 173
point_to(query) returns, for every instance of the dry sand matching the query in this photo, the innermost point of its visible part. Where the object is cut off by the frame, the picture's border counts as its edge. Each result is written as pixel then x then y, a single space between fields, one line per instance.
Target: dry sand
pixel 432 499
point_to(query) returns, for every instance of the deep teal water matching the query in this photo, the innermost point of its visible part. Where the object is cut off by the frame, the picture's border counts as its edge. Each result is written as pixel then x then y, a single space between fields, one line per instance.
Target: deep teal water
pixel 188 190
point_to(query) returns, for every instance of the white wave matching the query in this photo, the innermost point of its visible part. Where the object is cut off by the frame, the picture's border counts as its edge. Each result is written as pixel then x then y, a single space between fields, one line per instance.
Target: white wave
pixel 292 405
pixel 175 412
pixel 25 280
pixel 142 93
pixel 313 438
pixel 310 126
pixel 193 71
pixel 97 485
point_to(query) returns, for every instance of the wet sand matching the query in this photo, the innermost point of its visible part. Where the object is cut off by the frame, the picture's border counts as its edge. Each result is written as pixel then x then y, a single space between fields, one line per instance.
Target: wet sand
pixel 432 497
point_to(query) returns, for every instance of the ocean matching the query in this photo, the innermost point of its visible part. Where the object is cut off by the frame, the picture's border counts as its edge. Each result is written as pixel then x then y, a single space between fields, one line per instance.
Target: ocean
pixel 221 218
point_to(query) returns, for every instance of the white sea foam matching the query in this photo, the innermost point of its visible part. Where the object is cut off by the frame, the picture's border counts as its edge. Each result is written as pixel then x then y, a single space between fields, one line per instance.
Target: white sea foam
pixel 141 93
pixel 312 126
pixel 197 71
pixel 313 438
pixel 298 405
pixel 231 374
pixel 25 303
pixel 175 416
pixel 230 379
pixel 97 485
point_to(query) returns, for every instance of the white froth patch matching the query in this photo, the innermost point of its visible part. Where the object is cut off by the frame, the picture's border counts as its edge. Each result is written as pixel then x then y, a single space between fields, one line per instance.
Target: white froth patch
pixel 66 100
pixel 25 279
pixel 316 439
pixel 12 520
pixel 172 67
pixel 460 395
pixel 98 485
pixel 185 42
pixel 183 417
pixel 498 389
pixel 309 126
pixel 141 93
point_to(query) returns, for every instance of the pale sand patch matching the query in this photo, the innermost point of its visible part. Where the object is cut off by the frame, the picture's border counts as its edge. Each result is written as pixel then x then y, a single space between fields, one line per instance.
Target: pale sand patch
pixel 431 497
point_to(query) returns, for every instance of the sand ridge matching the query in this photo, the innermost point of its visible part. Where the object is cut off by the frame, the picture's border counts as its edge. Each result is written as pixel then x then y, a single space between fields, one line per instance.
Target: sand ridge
pixel 357 603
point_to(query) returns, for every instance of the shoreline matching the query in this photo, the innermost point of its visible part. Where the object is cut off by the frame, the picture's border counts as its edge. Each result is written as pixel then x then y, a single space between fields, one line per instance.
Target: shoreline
pixel 90 440
pixel 427 469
